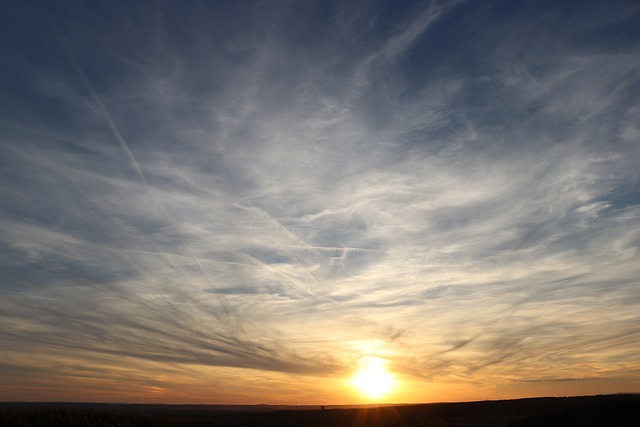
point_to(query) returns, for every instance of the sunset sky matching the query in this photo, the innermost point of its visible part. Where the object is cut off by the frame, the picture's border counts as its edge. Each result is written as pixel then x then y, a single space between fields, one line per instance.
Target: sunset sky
pixel 252 201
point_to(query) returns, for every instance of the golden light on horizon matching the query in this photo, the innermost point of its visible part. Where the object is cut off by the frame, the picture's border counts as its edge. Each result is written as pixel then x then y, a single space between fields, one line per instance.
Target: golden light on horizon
pixel 372 379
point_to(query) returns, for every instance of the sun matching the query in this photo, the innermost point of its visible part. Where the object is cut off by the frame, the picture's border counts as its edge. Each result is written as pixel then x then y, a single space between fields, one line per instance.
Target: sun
pixel 373 379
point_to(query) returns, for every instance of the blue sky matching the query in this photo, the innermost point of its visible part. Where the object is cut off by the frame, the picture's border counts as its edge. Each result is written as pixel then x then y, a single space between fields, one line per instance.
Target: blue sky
pixel 239 201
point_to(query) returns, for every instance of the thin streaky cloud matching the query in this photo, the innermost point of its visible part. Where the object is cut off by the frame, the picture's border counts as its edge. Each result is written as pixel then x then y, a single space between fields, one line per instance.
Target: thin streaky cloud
pixel 96 98
pixel 253 198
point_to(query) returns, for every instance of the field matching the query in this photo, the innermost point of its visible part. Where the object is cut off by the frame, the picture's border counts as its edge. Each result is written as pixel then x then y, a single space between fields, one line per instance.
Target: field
pixel 588 411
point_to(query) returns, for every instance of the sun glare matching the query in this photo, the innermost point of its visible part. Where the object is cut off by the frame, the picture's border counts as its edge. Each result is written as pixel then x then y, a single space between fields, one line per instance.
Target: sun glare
pixel 373 379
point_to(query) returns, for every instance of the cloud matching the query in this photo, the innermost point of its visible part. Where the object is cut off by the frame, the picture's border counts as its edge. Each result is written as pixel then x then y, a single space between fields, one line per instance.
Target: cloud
pixel 450 186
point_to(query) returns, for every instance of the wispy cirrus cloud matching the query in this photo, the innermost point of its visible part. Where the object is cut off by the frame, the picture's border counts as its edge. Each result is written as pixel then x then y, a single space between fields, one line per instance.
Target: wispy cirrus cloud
pixel 448 185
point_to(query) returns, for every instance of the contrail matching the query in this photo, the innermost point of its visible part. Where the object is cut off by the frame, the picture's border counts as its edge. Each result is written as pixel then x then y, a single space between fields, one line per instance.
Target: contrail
pixel 331 248
pixel 116 132
pixel 96 97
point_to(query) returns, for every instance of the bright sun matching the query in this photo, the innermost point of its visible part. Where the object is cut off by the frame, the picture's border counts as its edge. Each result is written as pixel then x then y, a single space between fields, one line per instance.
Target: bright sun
pixel 373 379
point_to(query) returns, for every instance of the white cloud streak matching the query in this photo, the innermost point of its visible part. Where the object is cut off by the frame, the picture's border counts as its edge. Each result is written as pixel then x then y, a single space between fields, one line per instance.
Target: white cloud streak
pixel 292 206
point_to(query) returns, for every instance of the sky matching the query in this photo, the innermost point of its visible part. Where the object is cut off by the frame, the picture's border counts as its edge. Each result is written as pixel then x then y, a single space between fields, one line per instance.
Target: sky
pixel 247 202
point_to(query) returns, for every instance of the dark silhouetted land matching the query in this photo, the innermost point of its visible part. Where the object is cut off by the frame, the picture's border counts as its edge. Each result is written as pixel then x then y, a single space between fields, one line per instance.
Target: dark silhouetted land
pixel 587 411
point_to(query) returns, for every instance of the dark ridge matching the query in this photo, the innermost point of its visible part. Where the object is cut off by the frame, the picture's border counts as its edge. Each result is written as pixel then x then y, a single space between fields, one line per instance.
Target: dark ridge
pixel 62 416
pixel 615 413
pixel 589 411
